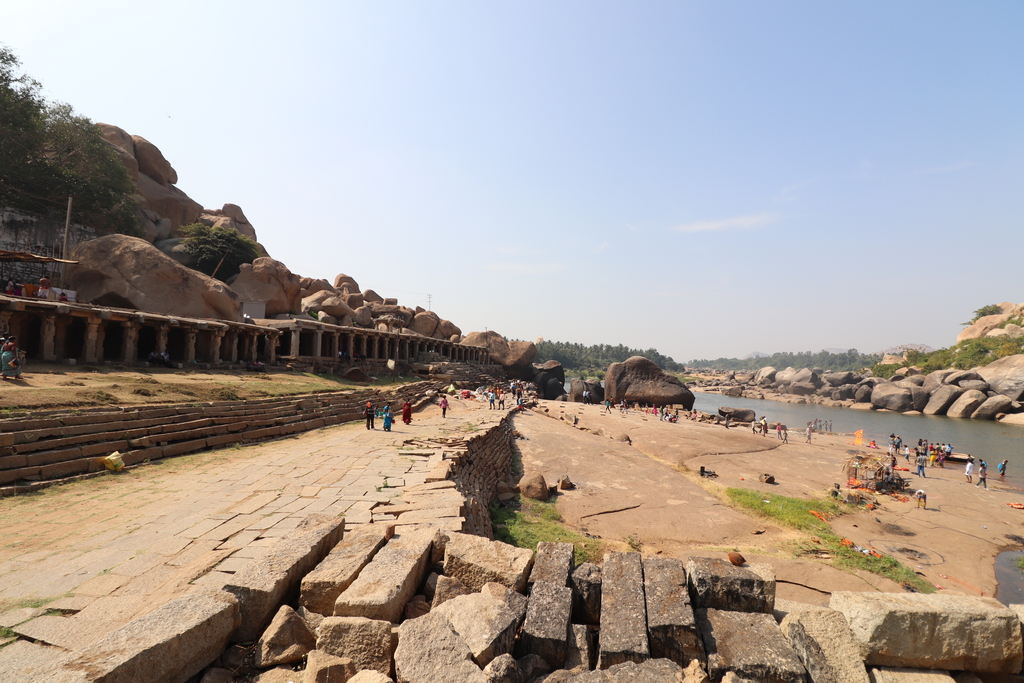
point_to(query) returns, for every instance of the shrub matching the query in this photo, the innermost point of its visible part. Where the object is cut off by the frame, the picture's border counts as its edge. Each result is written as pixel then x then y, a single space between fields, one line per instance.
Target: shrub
pixel 218 251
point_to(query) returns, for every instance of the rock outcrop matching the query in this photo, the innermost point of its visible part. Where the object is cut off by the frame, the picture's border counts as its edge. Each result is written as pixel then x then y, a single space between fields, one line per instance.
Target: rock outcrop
pixel 269 281
pixel 516 356
pixel 638 379
pixel 128 272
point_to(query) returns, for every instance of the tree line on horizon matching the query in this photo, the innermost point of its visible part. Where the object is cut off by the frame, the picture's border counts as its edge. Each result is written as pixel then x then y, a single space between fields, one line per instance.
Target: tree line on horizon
pixel 596 358
pixel 830 362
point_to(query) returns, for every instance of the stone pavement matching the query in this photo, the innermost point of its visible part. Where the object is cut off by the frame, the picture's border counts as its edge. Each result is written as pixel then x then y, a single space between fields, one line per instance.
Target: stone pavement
pixel 79 560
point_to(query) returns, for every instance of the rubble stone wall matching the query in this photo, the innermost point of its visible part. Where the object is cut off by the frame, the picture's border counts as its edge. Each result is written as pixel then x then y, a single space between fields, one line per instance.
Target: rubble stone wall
pixel 488 460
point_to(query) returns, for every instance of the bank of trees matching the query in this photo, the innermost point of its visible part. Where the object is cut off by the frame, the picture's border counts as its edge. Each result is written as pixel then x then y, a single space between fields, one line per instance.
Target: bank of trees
pixel 48 152
pixel 830 362
pixel 596 358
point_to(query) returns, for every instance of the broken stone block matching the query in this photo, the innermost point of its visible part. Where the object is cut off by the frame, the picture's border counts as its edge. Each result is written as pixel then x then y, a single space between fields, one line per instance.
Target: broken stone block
pixel 580 648
pixel 650 671
pixel 694 673
pixel 546 629
pixel 286 640
pixel 553 563
pixel 903 675
pixel 367 642
pixel 487 623
pixel 503 669
pixel 324 668
pixel 218 676
pixel 475 561
pixel 623 611
pixel 281 674
pixel 826 646
pixel 586 592
pixel 750 645
pixel 671 626
pixel 430 585
pixel 312 619
pixel 370 677
pixel 532 666
pixel 389 580
pixel 948 632
pixel 416 607
pixel 322 586
pixel 446 588
pixel 430 651
pixel 717 584
pixel 260 588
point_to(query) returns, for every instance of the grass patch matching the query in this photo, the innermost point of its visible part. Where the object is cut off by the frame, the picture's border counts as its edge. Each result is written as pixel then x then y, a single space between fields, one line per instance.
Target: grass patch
pixel 797 514
pixel 527 522
pixel 1019 563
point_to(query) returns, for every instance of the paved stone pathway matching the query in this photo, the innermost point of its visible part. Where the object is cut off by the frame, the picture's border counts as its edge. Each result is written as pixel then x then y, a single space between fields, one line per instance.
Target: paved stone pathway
pixel 113 548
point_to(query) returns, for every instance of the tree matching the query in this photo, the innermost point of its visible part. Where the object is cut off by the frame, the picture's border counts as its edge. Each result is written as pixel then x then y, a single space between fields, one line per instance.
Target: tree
pixel 219 251
pixel 48 152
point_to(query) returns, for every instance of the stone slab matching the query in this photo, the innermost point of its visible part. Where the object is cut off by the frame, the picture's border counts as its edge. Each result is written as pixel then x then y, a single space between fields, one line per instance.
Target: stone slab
pixel 826 646
pixel 671 625
pixel 320 588
pixel 487 621
pixel 389 580
pixel 553 563
pixel 429 651
pixel 367 642
pixel 623 611
pixel 718 584
pixel 261 587
pixel 903 675
pixel 748 644
pixel 949 632
pixel 546 628
pixel 476 561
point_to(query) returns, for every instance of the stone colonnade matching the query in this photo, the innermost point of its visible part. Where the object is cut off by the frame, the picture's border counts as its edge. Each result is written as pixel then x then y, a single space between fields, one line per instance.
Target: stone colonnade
pixel 52 331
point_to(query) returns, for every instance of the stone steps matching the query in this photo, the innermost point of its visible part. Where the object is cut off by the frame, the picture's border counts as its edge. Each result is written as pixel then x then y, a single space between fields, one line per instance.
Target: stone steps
pixel 37 450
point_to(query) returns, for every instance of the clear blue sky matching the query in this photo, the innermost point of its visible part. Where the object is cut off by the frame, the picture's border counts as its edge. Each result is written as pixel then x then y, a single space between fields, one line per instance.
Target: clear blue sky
pixel 706 178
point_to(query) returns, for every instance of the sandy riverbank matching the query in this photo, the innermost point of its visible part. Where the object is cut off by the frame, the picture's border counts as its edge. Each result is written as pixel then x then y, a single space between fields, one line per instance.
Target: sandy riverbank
pixel 649 489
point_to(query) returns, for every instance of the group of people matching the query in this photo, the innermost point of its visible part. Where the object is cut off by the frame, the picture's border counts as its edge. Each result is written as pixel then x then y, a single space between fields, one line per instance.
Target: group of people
pixel 44 290
pixel 371 412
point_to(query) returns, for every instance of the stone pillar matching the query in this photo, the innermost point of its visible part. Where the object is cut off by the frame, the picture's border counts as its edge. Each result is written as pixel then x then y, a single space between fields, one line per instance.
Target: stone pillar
pixel 92 336
pixel 350 345
pixel 216 340
pixel 130 341
pixel 318 341
pixel 161 337
pixel 48 334
pixel 272 347
pixel 190 345
pixel 296 336
pixel 233 345
pixel 253 347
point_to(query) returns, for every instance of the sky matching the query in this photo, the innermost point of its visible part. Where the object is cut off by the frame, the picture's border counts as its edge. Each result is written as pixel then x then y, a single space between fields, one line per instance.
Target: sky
pixel 705 178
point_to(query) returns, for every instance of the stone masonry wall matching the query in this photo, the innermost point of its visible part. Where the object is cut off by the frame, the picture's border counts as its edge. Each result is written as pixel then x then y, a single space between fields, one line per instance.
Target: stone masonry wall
pixel 488 460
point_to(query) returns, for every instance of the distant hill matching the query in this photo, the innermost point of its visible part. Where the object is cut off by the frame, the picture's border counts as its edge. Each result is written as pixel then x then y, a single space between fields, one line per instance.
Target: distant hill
pixel 755 354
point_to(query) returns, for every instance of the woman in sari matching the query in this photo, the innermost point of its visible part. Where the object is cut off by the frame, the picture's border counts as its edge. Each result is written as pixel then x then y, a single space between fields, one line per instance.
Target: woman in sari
pixel 11 364
pixel 387 418
pixel 406 412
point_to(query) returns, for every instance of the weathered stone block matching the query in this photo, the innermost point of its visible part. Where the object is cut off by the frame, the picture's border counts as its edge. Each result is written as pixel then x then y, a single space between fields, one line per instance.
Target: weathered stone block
pixel 324 668
pixel 750 645
pixel 623 611
pixel 286 640
pixel 586 592
pixel 476 561
pixel 503 669
pixel 430 651
pixel 260 588
pixel 170 644
pixel 546 629
pixel 389 580
pixel 896 675
pixel 446 588
pixel 322 586
pixel 650 671
pixel 826 646
pixel 553 563
pixel 580 649
pixel 370 677
pixel 367 642
pixel 951 632
pixel 718 584
pixel 486 622
pixel 671 626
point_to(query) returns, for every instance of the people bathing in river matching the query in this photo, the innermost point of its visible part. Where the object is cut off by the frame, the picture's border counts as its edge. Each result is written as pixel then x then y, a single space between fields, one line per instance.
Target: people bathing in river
pixel 1001 468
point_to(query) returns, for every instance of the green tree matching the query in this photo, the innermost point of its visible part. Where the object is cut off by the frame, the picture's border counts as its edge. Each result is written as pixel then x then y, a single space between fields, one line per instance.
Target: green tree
pixel 218 251
pixel 991 309
pixel 48 152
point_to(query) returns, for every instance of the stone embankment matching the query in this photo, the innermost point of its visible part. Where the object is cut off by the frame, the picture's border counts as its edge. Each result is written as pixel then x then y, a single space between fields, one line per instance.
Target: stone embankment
pixel 53 446
pixel 992 392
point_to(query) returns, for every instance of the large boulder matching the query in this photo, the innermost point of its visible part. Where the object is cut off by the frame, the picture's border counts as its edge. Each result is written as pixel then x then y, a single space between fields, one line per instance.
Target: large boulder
pixel 424 323
pixel 336 306
pixel 446 329
pixel 578 386
pixel 123 146
pixel 312 303
pixel 168 201
pixel 152 162
pixel 785 376
pixel 737 414
pixel 639 379
pixel 934 380
pixel 992 407
pixel 952 632
pixel 363 316
pixel 801 388
pixel 405 315
pixel 765 374
pixel 807 375
pixel 892 397
pixel 516 356
pixel 968 402
pixel 128 272
pixel 230 217
pixel 982 326
pixel 372 297
pixel 1006 376
pixel 271 282
pixel 941 399
pixel 346 282
pixel 838 379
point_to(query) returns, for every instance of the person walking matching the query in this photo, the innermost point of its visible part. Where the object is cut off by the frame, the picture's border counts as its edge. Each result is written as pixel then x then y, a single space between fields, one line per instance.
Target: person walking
pixel 368 412
pixel 10 361
pixel 982 475
pixel 1001 467
pixel 444 406
pixel 608 405
pixel 785 434
pixel 406 412
pixel 922 461
pixel 778 431
pixel 388 418
pixel 764 426
pixel 969 470
pixel 810 430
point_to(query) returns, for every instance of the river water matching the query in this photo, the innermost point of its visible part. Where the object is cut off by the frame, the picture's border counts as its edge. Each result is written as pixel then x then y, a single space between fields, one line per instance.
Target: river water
pixel 989 440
